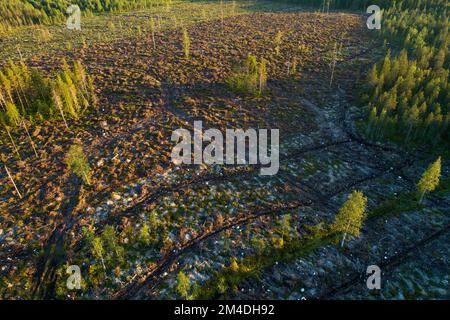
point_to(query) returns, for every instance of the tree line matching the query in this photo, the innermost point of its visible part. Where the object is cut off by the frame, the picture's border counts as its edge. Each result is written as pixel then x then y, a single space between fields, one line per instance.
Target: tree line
pixel 15 13
pixel 407 92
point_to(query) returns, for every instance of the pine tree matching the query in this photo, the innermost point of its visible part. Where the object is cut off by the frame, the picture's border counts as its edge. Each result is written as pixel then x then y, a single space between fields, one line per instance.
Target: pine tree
pixel 183 284
pixel 372 77
pixel 112 244
pixel 430 179
pixel 12 114
pixel 277 41
pixel 152 30
pixel 234 266
pixel 98 250
pixel 262 75
pixel 77 161
pixel 59 105
pixel 186 43
pixel 351 215
pixel 144 235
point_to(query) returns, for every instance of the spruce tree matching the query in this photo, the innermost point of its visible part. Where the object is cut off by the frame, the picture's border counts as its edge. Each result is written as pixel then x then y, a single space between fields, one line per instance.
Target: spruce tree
pixel 186 43
pixel 351 215
pixel 430 179
pixel 183 284
pixel 77 162
pixel 262 75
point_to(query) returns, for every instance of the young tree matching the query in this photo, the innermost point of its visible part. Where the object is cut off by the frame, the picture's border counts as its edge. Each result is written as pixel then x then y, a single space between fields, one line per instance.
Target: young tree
pixel 277 41
pixel 351 215
pixel 186 43
pixel 77 161
pixel 183 284
pixel 372 77
pixel 58 103
pixel 152 30
pixel 12 180
pixel 112 244
pixel 285 227
pixel 333 61
pixel 234 266
pixel 144 235
pixel 98 251
pixel 12 114
pixel 430 179
pixel 262 75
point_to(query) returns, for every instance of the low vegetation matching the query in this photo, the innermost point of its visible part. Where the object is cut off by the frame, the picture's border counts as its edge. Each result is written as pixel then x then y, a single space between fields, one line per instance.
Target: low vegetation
pixel 249 77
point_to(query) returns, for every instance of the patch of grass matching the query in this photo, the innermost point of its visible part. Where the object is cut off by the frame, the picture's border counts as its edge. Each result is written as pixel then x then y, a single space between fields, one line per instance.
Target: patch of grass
pixel 404 202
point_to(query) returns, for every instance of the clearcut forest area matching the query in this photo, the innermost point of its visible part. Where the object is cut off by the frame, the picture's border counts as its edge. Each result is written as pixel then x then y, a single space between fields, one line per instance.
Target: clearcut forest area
pixel 93 205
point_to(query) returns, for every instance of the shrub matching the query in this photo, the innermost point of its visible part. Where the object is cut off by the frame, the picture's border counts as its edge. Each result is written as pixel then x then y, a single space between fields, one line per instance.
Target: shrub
pixel 250 77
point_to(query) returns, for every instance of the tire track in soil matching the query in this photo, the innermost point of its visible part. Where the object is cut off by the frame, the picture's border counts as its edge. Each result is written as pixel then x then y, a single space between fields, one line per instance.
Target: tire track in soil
pixel 54 249
pixel 133 290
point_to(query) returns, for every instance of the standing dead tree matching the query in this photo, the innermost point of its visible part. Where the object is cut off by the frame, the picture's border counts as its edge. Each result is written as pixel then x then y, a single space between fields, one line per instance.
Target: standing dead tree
pixel 12 180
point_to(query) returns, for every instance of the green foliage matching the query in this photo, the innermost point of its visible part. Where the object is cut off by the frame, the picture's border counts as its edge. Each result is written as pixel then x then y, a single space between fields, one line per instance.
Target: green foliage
pixel 394 205
pixel 250 78
pixel 408 94
pixel 285 226
pixel 28 12
pixel 186 43
pixel 277 41
pixel 430 178
pixel 12 114
pixel 27 93
pixel 97 249
pixel 229 277
pixel 351 215
pixel 234 265
pixel 105 248
pixel 77 162
pixel 183 285
pixel 116 252
pixel 144 235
